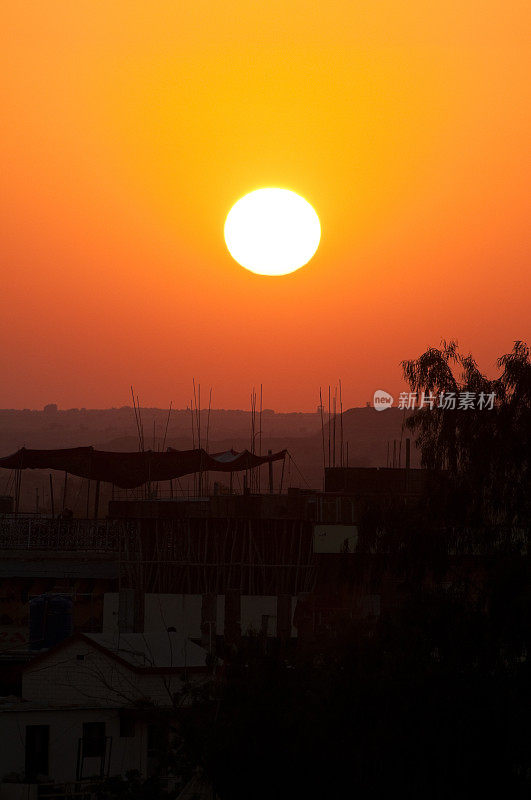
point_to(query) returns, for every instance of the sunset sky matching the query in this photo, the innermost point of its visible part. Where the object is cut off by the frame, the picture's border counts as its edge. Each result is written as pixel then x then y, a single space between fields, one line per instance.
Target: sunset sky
pixel 130 128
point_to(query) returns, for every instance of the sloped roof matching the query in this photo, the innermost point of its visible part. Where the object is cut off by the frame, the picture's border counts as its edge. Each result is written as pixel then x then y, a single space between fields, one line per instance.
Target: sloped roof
pixel 163 652
pixel 152 650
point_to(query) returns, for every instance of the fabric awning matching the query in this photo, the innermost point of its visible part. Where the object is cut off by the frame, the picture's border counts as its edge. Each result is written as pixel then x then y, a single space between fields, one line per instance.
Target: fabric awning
pixel 129 470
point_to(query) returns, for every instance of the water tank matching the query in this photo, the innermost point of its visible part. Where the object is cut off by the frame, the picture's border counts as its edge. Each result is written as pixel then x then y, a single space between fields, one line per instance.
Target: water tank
pixel 37 624
pixel 58 619
pixel 50 620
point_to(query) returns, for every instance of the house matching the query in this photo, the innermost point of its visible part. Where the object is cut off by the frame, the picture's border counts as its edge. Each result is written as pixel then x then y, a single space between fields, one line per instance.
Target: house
pixel 97 705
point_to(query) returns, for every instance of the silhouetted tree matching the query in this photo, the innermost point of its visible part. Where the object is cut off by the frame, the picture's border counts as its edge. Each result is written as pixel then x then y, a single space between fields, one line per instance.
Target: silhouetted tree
pixel 433 699
pixel 427 705
pixel 487 452
pixel 133 787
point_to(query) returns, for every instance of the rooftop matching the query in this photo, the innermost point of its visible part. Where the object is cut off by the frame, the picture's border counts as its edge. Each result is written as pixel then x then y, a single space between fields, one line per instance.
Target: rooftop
pixel 152 650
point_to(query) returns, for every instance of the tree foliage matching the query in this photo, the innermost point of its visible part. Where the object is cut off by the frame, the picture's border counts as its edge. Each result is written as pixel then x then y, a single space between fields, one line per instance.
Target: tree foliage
pixel 431 703
pixel 487 453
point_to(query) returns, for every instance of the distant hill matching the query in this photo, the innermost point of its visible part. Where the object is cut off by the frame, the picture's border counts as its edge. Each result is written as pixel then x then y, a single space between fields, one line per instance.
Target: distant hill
pixel 369 435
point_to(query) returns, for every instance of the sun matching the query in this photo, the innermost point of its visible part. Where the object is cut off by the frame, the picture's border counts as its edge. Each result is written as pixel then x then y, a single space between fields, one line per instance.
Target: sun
pixel 272 231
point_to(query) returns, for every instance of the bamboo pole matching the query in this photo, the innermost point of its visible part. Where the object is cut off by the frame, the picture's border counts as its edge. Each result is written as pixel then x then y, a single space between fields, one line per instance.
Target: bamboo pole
pixel 166 428
pixel 341 422
pixel 208 436
pixel 200 487
pixel 136 419
pixel 260 443
pixel 334 427
pixel 322 429
pixel 51 495
pixel 64 491
pixel 18 483
pixel 329 415
pixel 97 500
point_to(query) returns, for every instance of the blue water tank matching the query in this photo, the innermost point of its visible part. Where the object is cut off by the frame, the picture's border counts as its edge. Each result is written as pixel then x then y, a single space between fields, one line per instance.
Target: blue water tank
pixel 37 624
pixel 58 619
pixel 50 620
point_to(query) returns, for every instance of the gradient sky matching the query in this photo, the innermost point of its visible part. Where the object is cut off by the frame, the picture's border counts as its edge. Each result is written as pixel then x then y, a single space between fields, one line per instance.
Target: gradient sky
pixel 129 129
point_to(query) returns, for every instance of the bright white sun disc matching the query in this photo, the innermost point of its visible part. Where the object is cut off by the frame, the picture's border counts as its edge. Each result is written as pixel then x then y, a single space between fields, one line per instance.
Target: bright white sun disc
pixel 272 231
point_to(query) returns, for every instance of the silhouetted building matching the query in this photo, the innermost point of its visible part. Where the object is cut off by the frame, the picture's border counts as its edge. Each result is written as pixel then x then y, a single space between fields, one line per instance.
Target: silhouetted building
pixel 94 706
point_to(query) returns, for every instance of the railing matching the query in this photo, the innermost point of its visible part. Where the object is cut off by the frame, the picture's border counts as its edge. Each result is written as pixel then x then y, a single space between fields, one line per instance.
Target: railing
pixel 86 789
pixel 22 533
pixel 79 790
pixel 449 541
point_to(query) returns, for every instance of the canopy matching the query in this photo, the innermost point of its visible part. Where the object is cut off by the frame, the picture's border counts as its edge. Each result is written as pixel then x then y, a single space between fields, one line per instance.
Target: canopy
pixel 129 470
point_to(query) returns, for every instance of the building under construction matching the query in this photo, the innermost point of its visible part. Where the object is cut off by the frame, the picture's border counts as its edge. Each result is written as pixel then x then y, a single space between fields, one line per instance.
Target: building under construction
pixel 287 562
pixel 282 562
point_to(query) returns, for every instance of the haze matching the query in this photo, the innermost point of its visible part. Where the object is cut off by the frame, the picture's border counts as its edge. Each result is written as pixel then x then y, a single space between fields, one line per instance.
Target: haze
pixel 129 134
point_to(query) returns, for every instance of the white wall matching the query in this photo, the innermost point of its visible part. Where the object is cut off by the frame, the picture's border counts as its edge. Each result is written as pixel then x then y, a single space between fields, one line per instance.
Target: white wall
pixel 110 613
pixel 161 611
pixel 335 538
pixel 180 611
pixel 66 728
pixel 183 611
pixel 253 608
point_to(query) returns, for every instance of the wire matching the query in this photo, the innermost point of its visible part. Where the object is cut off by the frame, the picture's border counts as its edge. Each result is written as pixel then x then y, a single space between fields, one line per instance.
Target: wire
pixel 298 470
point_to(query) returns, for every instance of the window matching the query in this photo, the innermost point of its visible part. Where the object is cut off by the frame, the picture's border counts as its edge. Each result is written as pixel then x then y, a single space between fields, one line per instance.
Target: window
pixel 37 744
pixel 127 726
pixel 93 739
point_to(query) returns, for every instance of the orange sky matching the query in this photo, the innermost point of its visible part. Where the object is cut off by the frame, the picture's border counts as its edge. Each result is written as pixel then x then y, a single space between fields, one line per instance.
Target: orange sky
pixel 130 128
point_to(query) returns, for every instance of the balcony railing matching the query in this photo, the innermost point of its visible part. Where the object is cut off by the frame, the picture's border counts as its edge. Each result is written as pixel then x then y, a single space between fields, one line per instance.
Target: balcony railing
pixel 85 535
